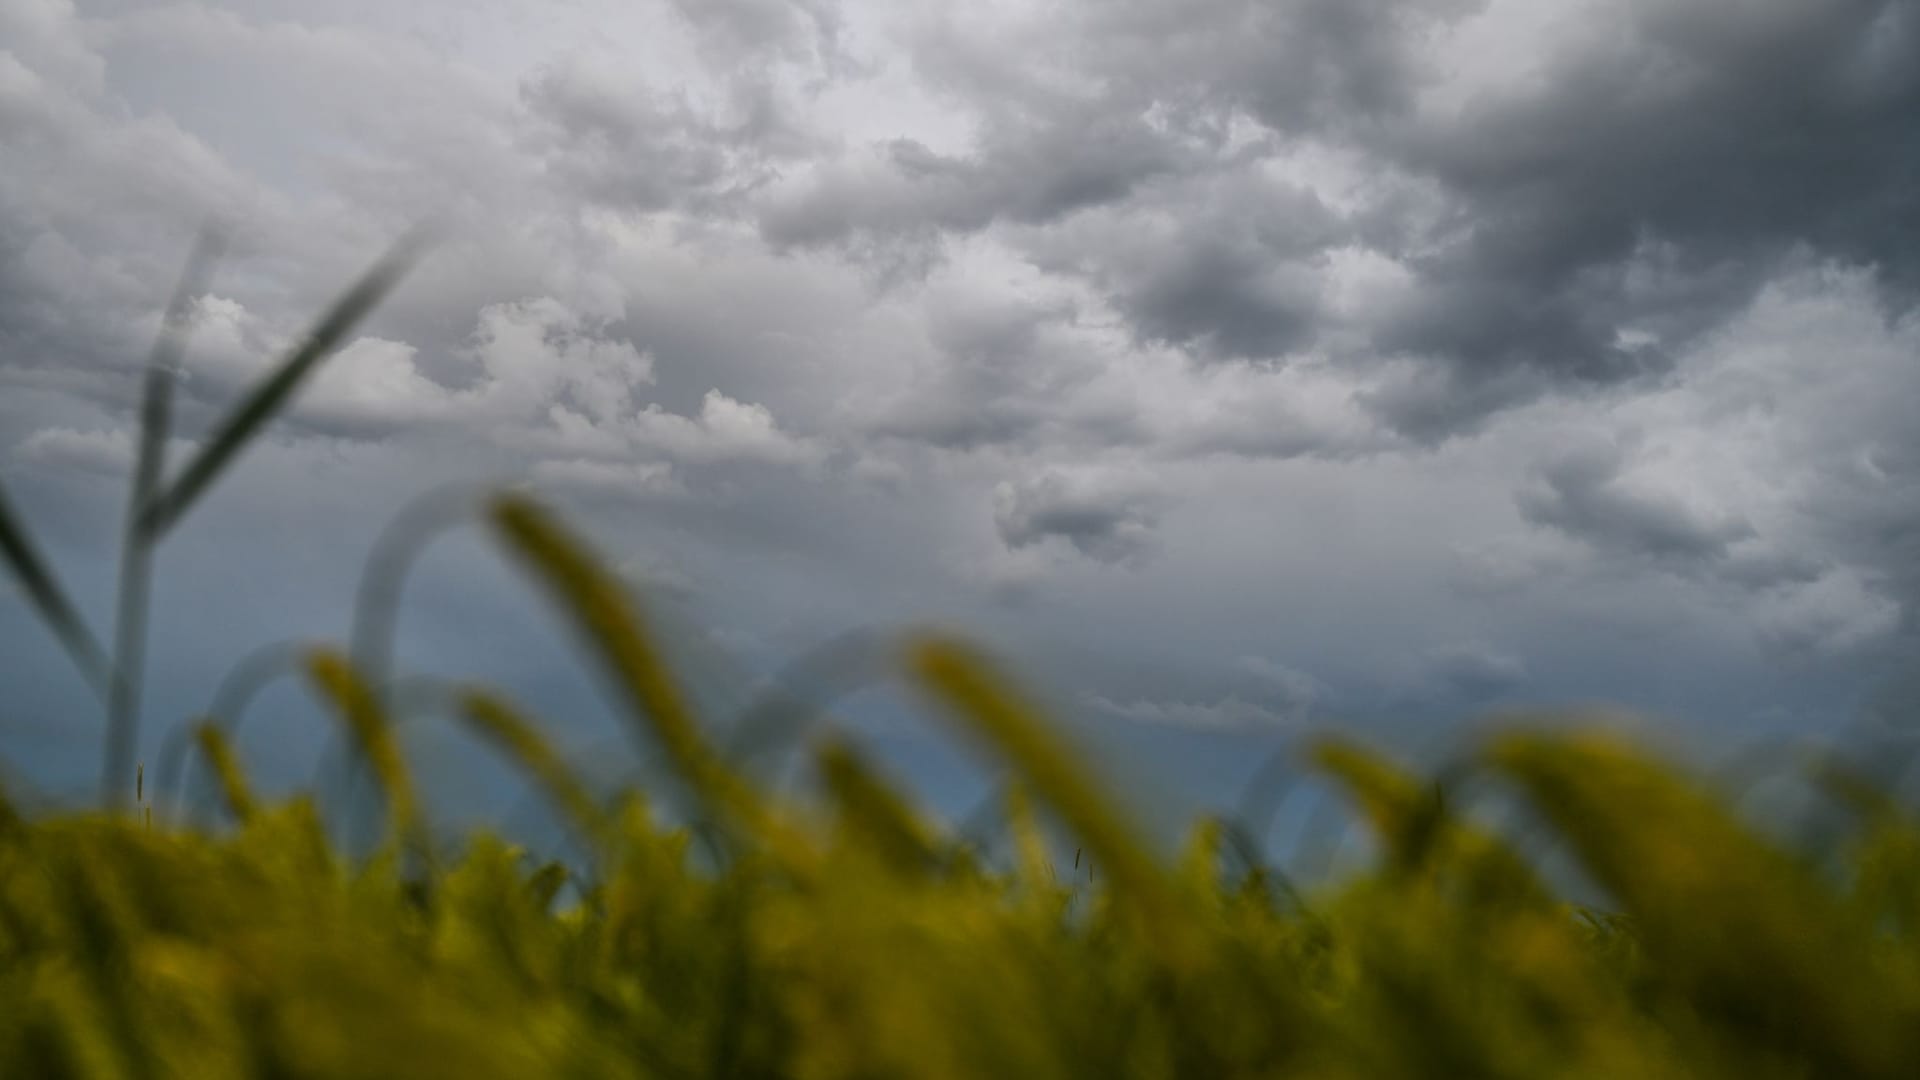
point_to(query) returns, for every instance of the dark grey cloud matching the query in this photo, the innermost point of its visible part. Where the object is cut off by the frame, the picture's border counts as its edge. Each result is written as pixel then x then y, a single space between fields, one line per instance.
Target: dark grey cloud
pixel 736 32
pixel 1468 671
pixel 1430 402
pixel 1578 230
pixel 989 386
pixel 1230 267
pixel 1817 371
pixel 1870 515
pixel 1141 114
pixel 1583 496
pixel 1302 64
pixel 1108 520
pixel 1654 181
pixel 1224 300
pixel 1751 478
pixel 1006 370
pixel 615 141
pixel 1895 702
pixel 1027 172
pixel 1587 497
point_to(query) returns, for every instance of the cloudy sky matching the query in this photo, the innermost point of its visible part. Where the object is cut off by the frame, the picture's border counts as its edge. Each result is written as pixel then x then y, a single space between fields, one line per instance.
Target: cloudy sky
pixel 1235 367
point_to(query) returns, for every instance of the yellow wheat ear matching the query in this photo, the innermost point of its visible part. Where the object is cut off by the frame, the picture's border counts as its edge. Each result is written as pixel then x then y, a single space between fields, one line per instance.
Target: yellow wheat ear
pixel 990 710
pixel 872 814
pixel 516 737
pixel 1199 870
pixel 1418 830
pixel 234 789
pixel 1034 870
pixel 366 719
pixel 612 626
pixel 1743 927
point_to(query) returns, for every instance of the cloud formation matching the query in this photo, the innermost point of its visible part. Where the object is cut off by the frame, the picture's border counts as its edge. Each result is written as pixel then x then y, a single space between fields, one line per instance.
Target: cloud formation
pixel 1100 517
pixel 1340 332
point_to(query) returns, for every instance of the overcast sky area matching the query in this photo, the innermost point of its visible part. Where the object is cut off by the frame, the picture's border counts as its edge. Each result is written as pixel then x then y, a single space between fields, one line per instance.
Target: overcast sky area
pixel 1235 368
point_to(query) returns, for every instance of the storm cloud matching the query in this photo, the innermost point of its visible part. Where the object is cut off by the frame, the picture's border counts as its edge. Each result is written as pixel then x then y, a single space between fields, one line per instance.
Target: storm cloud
pixel 1237 365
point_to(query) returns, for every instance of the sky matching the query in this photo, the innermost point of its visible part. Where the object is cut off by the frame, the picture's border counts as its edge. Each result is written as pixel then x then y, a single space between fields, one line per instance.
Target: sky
pixel 1234 369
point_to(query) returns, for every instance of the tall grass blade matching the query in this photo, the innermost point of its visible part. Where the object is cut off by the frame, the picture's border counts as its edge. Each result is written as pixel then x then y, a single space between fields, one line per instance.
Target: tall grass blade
pixel 136 544
pixel 50 600
pixel 273 393
pixel 130 616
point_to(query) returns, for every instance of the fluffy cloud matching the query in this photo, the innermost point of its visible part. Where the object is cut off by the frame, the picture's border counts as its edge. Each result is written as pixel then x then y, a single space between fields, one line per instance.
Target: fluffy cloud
pixel 1757 471
pixel 725 430
pixel 608 478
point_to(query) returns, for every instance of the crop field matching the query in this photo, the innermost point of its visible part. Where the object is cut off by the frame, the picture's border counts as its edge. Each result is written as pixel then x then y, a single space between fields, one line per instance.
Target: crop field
pixel 852 935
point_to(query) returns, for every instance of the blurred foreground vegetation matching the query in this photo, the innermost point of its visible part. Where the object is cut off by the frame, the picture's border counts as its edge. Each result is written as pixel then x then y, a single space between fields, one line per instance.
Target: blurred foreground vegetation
pixel 850 936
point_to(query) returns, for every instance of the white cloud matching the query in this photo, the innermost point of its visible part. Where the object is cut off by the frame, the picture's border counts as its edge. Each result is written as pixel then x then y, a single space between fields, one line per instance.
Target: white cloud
pixel 1225 714
pixel 1299 688
pixel 536 351
pixel 109 453
pixel 608 477
pixel 725 430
